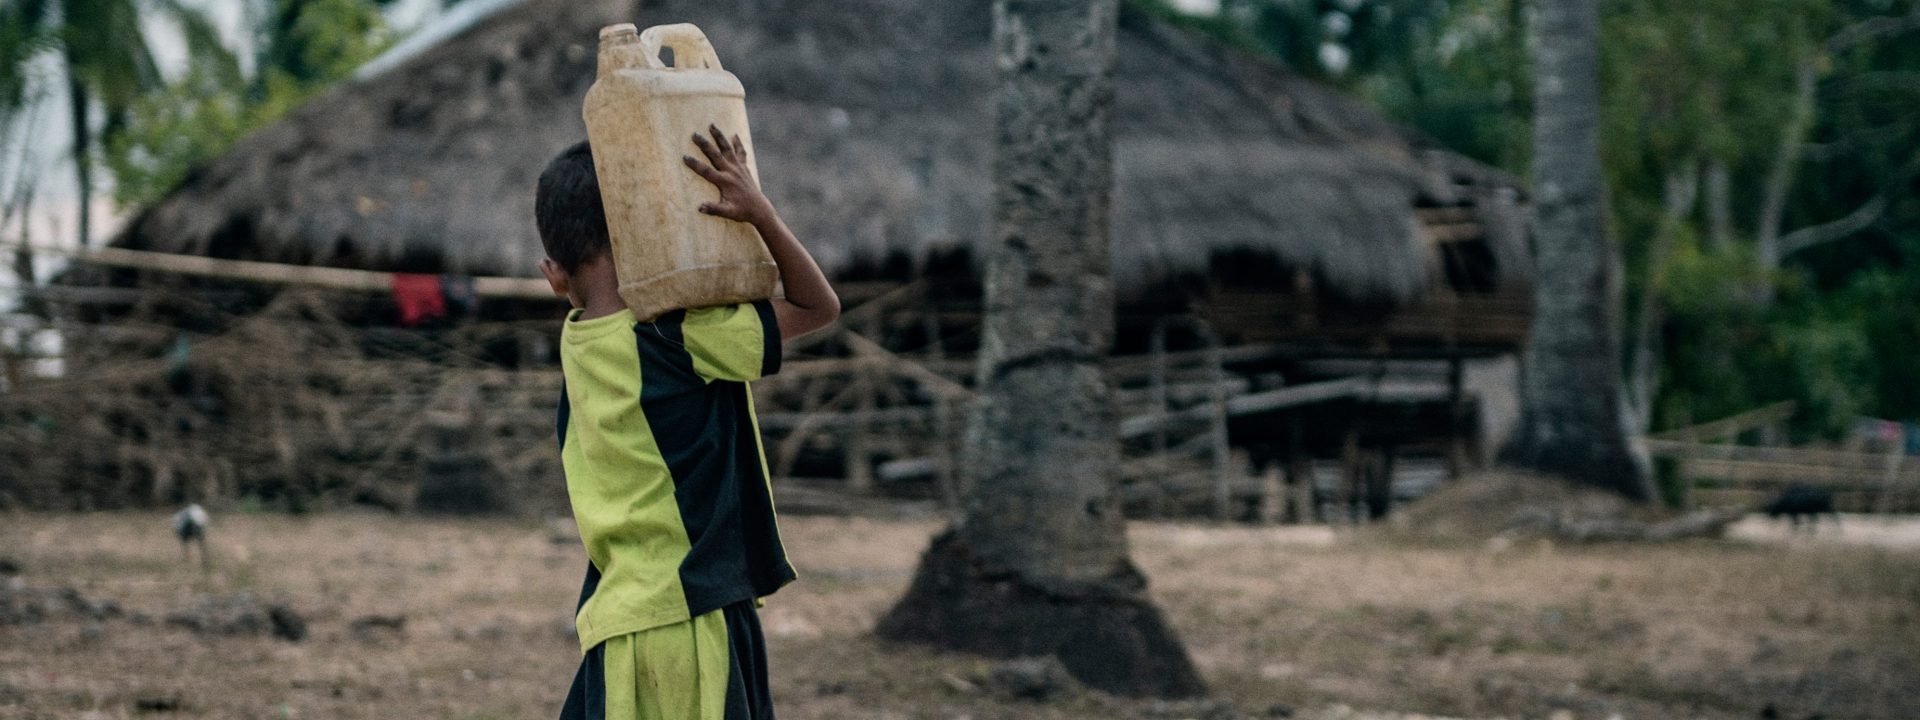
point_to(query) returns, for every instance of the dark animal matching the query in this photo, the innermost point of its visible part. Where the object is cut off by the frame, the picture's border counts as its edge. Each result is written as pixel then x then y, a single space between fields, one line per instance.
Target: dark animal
pixel 1802 501
pixel 190 525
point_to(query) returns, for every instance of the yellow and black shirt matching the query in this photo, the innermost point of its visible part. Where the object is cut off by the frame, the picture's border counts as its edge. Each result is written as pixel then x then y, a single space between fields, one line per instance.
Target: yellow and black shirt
pixel 664 466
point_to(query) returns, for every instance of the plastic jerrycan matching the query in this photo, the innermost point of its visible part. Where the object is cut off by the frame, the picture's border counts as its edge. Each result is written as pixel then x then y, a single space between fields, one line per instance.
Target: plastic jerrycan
pixel 641 116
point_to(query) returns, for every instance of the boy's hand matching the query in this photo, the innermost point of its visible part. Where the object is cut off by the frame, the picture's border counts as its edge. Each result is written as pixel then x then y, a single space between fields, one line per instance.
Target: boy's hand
pixel 810 303
pixel 740 198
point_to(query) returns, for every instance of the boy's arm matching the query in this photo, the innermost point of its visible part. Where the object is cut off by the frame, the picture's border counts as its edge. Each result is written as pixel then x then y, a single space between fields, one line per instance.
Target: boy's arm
pixel 810 303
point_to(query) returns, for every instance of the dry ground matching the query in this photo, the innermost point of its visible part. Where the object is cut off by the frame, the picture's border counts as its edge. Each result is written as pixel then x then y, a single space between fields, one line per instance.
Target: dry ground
pixel 1302 617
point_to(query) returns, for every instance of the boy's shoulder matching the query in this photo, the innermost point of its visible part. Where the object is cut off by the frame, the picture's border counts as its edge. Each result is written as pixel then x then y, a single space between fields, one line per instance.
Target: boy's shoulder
pixel 734 343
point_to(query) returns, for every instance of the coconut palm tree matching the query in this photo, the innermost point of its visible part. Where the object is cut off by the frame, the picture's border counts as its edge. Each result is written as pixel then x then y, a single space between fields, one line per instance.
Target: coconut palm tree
pixel 1040 565
pixel 1574 416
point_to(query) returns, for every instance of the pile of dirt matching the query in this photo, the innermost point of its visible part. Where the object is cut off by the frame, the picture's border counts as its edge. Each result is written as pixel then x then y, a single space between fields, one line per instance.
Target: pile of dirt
pixel 238 614
pixel 23 605
pixel 1508 503
pixel 241 614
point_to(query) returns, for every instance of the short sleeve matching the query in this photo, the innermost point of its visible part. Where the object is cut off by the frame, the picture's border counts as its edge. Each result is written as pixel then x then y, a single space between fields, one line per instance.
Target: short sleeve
pixel 733 342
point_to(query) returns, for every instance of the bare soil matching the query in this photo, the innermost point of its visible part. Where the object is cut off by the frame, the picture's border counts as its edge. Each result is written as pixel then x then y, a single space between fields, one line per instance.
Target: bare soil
pixel 1306 618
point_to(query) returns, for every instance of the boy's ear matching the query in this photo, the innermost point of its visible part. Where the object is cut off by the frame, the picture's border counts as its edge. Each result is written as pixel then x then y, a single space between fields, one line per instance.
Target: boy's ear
pixel 556 278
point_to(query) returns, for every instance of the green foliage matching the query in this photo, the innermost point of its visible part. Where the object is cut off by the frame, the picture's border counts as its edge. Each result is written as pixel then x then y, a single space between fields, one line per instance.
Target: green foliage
pixel 316 42
pixel 155 130
pixel 167 133
pixel 23 36
pixel 105 50
pixel 1690 83
pixel 1687 86
pixel 1464 78
pixel 309 45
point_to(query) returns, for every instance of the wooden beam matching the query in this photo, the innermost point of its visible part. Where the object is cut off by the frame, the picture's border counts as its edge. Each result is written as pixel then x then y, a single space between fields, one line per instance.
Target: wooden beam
pixel 843 365
pixel 1444 215
pixel 1297 395
pixel 84 295
pixel 1682 450
pixel 1157 390
pixel 1165 395
pixel 933 382
pixel 909 468
pixel 1774 473
pixel 1248 405
pixel 1140 366
pixel 1728 427
pixel 1452 232
pixel 822 420
pixel 278 273
pixel 860 314
pixel 1221 449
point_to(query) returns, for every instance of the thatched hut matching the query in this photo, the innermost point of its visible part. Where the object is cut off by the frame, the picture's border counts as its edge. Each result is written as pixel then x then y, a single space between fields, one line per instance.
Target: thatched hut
pixel 875 135
pixel 1302 227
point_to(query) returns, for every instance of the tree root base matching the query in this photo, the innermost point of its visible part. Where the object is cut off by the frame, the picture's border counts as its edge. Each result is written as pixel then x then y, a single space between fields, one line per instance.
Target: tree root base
pixel 1116 642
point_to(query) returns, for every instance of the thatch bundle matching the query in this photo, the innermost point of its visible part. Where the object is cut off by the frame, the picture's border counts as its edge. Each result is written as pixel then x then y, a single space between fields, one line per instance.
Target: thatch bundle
pixel 874 125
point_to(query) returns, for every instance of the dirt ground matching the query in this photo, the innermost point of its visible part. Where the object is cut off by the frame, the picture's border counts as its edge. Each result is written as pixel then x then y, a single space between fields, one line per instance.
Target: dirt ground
pixel 1300 621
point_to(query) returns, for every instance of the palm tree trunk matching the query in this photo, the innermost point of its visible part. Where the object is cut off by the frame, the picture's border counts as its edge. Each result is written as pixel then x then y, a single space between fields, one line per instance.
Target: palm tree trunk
pixel 1039 565
pixel 77 102
pixel 1574 420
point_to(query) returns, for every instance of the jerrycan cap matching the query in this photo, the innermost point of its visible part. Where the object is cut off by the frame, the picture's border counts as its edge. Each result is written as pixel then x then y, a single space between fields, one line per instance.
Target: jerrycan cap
pixel 620 31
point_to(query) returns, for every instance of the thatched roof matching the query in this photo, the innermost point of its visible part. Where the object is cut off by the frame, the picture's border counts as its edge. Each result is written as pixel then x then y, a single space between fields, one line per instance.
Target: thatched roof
pixel 873 122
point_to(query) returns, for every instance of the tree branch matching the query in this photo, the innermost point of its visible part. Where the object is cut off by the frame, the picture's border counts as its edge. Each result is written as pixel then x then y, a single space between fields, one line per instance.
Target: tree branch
pixel 1872 29
pixel 1770 244
pixel 1785 160
pixel 1860 219
pixel 1843 146
pixel 1682 193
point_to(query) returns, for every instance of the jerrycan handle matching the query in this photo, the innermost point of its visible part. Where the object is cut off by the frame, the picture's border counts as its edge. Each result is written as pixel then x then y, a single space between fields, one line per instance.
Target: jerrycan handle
pixel 690 47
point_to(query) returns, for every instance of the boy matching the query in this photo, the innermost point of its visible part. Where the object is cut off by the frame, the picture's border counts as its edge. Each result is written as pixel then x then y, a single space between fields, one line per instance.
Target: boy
pixel 664 467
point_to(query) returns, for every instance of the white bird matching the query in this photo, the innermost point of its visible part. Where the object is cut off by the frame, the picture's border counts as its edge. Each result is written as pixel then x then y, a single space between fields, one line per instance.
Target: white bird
pixel 190 525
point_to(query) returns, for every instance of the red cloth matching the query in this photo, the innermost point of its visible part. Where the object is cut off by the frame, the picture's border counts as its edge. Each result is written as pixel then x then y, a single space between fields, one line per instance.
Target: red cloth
pixel 419 297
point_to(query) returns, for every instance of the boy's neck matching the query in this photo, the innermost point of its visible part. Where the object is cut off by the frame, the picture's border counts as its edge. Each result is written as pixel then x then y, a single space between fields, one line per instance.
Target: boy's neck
pixel 601 307
pixel 597 288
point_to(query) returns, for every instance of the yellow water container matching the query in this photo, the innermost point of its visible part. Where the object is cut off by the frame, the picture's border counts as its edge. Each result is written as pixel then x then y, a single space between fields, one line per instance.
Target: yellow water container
pixel 641 116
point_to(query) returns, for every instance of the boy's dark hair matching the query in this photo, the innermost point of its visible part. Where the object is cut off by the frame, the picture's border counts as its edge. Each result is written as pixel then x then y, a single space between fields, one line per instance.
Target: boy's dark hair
pixel 573 223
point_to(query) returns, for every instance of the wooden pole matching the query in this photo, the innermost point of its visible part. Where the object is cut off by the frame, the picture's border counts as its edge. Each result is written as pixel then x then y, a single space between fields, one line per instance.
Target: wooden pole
pixel 948 455
pixel 1304 506
pixel 1221 449
pixel 280 273
pixel 787 452
pixel 1350 471
pixel 1457 430
pixel 1896 456
pixel 933 382
pixel 1157 382
pixel 859 447
pixel 1272 494
pixel 947 449
pixel 1380 483
pixel 1254 404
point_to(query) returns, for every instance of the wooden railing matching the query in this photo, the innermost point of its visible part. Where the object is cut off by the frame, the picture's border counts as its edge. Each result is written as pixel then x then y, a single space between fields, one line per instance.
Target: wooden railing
pixel 1880 481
